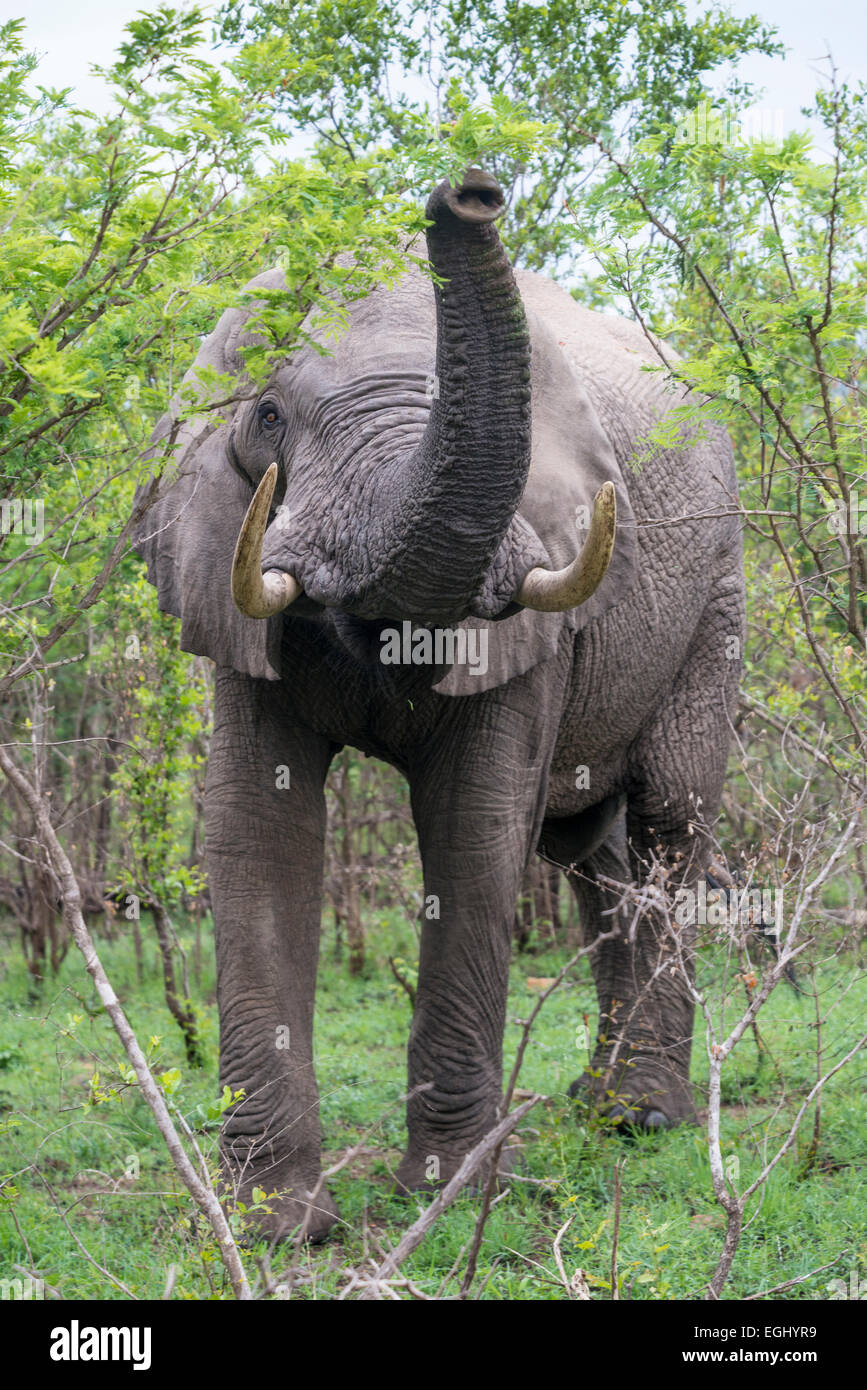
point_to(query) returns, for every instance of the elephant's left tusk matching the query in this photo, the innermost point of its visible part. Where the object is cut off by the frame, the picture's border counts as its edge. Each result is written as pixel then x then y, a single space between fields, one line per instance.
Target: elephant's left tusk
pixel 259 595
pixel 554 591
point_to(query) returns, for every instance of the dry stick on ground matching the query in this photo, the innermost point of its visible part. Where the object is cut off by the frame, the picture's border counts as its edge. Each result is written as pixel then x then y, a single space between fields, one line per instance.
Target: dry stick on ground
pixel 200 1189
pixel 576 1287
pixel 801 1279
pixel 577 1278
pixel 470 1166
pixel 361 1280
pixel 558 1258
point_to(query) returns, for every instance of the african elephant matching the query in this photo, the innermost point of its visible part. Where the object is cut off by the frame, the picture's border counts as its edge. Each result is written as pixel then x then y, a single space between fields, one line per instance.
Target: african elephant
pixel 451 474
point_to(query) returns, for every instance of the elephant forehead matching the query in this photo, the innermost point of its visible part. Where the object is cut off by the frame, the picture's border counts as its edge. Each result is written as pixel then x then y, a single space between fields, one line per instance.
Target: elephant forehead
pixel 389 331
pixel 371 395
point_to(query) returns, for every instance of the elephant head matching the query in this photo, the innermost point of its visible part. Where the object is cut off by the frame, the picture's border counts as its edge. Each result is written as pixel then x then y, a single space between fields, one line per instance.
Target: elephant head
pixel 399 478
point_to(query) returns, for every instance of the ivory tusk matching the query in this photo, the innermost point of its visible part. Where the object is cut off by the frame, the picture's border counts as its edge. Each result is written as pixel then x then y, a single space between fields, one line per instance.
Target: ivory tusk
pixel 555 591
pixel 255 594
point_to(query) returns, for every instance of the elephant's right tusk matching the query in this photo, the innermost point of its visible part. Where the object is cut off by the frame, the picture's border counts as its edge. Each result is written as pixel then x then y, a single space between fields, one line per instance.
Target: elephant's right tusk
pixel 554 591
pixel 259 595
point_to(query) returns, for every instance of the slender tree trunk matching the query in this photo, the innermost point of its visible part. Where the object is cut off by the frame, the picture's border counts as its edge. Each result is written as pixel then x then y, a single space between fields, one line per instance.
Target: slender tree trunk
pixel 197 947
pixel 180 1010
pixel 137 947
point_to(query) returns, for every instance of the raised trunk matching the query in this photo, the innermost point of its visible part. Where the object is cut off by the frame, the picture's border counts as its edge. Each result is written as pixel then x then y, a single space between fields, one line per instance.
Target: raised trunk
pixel 450 503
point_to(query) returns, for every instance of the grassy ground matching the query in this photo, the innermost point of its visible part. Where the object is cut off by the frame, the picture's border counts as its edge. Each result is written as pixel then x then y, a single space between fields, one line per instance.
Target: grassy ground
pixel 86 1170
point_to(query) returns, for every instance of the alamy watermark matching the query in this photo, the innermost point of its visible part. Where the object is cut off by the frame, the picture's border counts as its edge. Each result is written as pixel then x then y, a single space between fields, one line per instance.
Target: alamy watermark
pixel 849 519
pixel 77 1343
pixel 22 1290
pixel 435 646
pixel 711 125
pixel 23 518
pixel 855 1289
pixel 729 907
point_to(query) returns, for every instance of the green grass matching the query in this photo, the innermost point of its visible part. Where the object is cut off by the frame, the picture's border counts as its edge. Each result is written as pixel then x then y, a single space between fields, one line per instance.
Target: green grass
pixel 67 1156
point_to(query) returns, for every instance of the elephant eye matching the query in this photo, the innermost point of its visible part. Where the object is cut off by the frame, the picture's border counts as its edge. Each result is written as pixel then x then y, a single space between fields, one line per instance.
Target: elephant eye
pixel 269 414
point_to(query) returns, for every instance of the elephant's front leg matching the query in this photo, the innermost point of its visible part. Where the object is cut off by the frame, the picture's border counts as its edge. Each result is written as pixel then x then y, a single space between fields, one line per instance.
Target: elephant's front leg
pixel 478 799
pixel 265 820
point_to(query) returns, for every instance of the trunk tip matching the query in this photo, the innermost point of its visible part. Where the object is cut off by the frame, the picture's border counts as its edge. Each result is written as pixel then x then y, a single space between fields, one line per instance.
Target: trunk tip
pixel 477 198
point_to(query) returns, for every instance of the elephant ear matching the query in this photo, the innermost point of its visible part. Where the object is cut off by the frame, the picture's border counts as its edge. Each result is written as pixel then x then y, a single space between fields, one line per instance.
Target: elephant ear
pixel 188 533
pixel 572 456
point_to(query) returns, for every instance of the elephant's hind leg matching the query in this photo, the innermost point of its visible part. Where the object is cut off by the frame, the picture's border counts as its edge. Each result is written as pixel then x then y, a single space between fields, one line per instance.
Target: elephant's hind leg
pixel 676 770
pixel 265 819
pixel 639 1072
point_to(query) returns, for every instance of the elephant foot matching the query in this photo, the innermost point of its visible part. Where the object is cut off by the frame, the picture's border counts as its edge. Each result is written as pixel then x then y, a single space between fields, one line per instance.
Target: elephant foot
pixel 639 1099
pixel 287 1215
pixel 284 1210
pixel 430 1172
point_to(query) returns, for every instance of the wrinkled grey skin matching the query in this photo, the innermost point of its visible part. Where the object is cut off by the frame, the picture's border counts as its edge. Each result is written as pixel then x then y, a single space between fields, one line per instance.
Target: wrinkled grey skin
pixel 407 505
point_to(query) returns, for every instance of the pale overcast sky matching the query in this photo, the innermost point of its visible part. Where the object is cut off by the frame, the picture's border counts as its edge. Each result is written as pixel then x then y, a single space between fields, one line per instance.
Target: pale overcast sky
pixel 75 33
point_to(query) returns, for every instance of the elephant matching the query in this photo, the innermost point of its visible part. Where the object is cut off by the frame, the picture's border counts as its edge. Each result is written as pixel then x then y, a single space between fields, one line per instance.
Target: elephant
pixel 455 481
